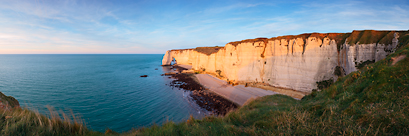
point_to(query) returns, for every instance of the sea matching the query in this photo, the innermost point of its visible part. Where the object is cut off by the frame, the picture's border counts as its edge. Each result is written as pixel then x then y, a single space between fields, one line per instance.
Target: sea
pixel 105 90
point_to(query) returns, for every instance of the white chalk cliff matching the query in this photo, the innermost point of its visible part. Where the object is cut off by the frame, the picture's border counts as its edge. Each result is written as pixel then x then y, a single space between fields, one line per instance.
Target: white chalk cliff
pixel 294 62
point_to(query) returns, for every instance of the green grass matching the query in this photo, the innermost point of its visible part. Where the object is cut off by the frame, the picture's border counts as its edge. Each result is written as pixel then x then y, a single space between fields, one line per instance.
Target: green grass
pixel 403 38
pixel 387 39
pixel 363 64
pixel 324 83
pixel 20 121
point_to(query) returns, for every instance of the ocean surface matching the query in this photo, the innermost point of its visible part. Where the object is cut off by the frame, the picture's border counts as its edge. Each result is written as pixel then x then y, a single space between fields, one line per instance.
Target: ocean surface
pixel 105 90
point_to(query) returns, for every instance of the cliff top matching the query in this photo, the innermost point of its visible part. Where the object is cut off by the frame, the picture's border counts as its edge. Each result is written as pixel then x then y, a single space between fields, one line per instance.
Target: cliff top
pixel 204 50
pixel 361 36
pixel 355 37
pixel 208 50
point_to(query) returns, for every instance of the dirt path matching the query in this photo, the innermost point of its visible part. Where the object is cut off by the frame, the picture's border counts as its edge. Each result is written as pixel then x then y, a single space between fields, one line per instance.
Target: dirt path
pixel 238 94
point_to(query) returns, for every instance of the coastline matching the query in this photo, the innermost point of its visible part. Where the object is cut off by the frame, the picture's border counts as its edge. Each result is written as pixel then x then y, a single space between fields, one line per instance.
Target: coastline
pixel 238 93
pixel 204 98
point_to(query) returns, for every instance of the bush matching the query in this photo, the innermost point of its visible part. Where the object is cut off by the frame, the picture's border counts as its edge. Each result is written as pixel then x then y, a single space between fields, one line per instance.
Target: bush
pixel 362 64
pixel 339 71
pixel 218 72
pixel 325 83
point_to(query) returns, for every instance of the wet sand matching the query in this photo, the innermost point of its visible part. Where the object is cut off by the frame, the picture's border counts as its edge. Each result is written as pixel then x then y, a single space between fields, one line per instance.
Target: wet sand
pixel 238 94
pixel 203 97
pixel 213 94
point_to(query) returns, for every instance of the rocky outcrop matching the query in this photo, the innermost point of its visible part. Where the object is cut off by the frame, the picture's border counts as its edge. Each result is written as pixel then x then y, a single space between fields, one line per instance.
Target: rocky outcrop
pixel 294 62
pixel 8 102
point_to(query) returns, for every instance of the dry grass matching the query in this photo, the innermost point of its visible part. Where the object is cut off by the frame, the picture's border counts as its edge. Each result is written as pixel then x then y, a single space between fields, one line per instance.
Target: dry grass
pixel 30 122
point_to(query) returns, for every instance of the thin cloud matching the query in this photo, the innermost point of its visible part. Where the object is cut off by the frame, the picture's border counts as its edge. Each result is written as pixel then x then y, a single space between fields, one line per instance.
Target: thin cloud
pixel 71 26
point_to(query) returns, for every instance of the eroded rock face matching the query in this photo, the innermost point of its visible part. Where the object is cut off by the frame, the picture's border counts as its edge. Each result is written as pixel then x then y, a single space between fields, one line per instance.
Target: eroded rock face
pixel 8 102
pixel 294 62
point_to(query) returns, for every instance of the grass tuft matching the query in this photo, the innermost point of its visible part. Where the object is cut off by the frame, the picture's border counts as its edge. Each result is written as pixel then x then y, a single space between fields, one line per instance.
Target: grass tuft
pixel 30 122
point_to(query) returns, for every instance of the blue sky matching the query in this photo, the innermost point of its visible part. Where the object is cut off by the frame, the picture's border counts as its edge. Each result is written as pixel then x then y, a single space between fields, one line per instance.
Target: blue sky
pixel 154 26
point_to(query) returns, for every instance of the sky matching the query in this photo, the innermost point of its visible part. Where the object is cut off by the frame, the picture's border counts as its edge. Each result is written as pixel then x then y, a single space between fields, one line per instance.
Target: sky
pixel 154 26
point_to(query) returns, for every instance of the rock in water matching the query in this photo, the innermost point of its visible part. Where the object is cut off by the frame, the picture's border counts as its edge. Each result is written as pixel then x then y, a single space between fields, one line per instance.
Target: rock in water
pixel 144 76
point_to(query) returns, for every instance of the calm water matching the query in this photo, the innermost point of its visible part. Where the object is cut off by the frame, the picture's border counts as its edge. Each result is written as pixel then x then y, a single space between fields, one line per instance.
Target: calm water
pixel 106 90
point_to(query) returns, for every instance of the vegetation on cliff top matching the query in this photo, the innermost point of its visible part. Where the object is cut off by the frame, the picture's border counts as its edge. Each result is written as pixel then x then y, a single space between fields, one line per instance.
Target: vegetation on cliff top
pixel 361 36
pixel 370 36
pixel 208 50
pixel 355 37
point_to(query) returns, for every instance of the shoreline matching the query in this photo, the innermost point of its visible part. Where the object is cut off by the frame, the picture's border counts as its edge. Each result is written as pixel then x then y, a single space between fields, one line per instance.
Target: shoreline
pixel 238 93
pixel 250 85
pixel 204 98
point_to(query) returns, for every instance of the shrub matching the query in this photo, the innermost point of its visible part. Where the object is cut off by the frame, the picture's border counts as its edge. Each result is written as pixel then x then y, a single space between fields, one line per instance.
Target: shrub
pixel 338 71
pixel 362 64
pixel 218 72
pixel 325 83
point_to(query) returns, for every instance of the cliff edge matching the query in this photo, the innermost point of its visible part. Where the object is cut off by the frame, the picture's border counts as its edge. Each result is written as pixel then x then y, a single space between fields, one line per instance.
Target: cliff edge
pixel 295 62
pixel 8 102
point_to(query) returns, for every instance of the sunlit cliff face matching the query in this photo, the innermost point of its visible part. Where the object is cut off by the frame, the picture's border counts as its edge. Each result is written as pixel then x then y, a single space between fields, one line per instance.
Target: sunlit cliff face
pixel 295 62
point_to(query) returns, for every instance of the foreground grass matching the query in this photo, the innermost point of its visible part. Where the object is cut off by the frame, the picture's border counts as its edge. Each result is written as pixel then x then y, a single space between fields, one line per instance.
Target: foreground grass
pixel 19 121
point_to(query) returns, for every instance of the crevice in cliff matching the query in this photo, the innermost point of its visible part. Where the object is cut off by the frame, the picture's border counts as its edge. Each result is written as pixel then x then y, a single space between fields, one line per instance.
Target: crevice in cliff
pixel 292 47
pixel 288 47
pixel 338 61
pixel 304 45
pixel 265 41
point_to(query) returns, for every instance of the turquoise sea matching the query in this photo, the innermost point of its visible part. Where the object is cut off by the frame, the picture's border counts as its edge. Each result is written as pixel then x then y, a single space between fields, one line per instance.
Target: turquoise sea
pixel 105 90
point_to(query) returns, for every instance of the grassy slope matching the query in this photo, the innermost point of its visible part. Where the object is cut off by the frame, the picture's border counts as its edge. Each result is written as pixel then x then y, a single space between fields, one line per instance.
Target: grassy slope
pixel 373 100
pixel 28 122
